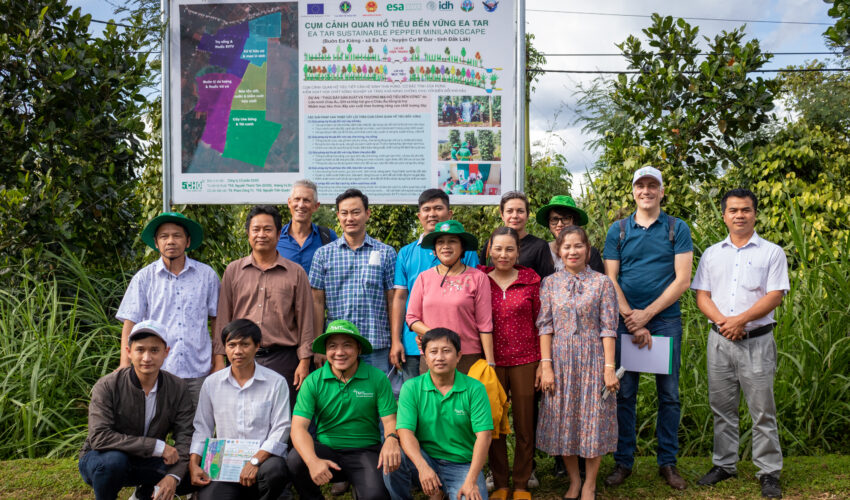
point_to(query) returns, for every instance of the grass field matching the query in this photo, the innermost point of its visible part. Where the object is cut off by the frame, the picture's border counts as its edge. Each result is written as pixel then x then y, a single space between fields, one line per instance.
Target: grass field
pixel 825 477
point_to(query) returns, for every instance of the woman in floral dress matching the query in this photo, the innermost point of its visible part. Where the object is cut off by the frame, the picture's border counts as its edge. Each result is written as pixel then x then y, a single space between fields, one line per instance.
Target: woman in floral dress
pixel 578 332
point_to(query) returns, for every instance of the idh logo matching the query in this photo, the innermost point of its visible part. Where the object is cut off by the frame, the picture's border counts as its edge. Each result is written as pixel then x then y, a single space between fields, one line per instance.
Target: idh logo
pixel 371 6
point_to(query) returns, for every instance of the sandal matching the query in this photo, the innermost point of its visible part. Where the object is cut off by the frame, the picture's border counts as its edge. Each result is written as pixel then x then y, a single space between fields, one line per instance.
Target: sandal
pixel 500 494
pixel 521 495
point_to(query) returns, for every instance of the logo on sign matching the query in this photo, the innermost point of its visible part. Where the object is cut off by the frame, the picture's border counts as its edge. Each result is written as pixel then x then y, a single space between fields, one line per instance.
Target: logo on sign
pixel 315 8
pixel 467 5
pixel 431 5
pixel 443 5
pixel 395 7
pixel 490 5
pixel 371 6
pixel 345 7
pixel 192 185
pixel 413 6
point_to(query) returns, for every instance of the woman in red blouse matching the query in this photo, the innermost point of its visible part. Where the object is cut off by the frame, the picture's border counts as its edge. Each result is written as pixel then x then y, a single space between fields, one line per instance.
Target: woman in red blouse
pixel 515 297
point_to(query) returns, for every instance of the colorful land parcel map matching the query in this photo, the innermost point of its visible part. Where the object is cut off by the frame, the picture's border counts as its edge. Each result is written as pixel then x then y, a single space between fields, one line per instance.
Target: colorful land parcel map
pixel 241 75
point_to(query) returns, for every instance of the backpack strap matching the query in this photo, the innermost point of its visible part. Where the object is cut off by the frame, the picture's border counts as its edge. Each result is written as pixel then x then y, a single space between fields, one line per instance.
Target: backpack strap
pixel 671 223
pixel 622 223
pixel 324 235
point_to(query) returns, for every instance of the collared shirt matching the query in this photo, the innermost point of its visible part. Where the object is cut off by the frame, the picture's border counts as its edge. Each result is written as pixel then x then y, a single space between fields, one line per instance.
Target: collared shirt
pixel 257 410
pixel 445 426
pixel 411 262
pixel 346 413
pixel 278 300
pixel 301 255
pixel 647 259
pixel 355 284
pixel 182 303
pixel 738 277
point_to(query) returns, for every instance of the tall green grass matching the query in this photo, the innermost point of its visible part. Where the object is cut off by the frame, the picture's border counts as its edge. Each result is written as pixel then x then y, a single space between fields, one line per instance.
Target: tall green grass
pixel 57 337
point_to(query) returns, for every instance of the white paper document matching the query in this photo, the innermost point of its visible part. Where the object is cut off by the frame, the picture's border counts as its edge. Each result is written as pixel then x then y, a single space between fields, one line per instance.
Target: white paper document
pixel 223 459
pixel 659 359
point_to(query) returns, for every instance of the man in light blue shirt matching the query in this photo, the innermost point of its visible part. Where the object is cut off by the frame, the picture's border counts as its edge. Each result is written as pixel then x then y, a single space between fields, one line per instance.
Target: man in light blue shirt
pixel 300 238
pixel 412 260
pixel 178 292
pixel 353 278
pixel 739 283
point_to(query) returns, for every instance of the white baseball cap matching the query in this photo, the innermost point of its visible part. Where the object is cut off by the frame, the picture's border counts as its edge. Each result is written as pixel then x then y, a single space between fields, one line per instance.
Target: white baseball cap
pixel 647 171
pixel 148 326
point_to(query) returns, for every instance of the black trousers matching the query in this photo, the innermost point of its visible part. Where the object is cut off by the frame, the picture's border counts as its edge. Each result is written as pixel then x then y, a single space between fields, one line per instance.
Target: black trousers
pixel 271 480
pixel 284 361
pixel 359 467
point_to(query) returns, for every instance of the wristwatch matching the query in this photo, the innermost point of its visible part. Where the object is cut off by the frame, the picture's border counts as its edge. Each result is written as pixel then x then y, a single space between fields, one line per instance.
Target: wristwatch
pixel 391 435
pixel 254 461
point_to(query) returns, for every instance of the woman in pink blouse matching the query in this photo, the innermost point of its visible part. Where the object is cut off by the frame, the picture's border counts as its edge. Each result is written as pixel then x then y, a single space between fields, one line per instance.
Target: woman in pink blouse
pixel 515 295
pixel 454 296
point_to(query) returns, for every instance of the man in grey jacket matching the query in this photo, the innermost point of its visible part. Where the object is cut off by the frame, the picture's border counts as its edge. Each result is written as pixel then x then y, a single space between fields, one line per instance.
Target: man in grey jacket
pixel 132 412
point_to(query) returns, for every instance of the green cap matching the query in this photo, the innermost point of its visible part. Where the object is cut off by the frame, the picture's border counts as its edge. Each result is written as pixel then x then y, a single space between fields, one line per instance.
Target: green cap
pixel 454 227
pixel 196 233
pixel 341 327
pixel 563 202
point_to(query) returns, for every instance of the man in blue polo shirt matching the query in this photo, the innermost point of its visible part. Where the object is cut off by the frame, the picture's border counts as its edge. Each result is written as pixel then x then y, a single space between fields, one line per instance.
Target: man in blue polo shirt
pixel 300 238
pixel 412 260
pixel 648 256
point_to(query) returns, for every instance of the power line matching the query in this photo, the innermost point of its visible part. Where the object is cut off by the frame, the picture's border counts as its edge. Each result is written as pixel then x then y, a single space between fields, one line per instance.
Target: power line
pixel 613 14
pixel 610 54
pixel 637 72
pixel 122 25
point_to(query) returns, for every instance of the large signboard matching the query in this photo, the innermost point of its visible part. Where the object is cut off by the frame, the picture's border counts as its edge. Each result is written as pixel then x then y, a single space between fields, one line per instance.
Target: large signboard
pixel 391 97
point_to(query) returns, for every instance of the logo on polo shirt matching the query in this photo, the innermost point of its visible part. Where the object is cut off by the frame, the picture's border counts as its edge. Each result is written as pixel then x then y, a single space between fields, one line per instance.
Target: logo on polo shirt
pixel 459 412
pixel 363 394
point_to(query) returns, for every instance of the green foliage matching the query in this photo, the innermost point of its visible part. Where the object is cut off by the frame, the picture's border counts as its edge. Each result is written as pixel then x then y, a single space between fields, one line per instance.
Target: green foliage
pixel 72 132
pixel 486 145
pixel 454 136
pixel 820 98
pixel 840 33
pixel 469 138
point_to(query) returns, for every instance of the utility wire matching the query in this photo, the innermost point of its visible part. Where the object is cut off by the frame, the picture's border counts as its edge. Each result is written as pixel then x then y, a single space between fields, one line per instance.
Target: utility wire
pixel 122 25
pixel 769 21
pixel 638 72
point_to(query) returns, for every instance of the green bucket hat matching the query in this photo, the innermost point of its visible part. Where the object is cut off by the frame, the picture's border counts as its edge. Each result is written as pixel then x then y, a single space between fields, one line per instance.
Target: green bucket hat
pixel 196 233
pixel 561 201
pixel 341 327
pixel 454 227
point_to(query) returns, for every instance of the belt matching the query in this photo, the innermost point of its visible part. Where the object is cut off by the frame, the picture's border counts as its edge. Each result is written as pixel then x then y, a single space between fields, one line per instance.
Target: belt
pixel 265 351
pixel 756 332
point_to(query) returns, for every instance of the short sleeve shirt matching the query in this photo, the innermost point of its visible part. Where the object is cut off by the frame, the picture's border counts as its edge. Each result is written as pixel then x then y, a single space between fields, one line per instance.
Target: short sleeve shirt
pixel 445 426
pixel 647 259
pixel 182 303
pixel 355 284
pixel 461 303
pixel 412 261
pixel 738 277
pixel 301 255
pixel 346 413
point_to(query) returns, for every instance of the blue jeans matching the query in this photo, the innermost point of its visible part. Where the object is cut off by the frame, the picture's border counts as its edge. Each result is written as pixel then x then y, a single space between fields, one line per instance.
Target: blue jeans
pixel 451 474
pixel 109 471
pixel 669 410
pixel 379 358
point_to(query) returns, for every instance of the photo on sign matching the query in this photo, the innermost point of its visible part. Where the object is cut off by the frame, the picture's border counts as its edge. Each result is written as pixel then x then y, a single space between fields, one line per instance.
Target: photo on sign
pixel 469 111
pixel 239 87
pixel 470 178
pixel 468 145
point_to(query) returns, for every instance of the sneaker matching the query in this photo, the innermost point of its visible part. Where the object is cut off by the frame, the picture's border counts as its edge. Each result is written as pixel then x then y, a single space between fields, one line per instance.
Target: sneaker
pixel 491 485
pixel 532 481
pixel 770 487
pixel 714 476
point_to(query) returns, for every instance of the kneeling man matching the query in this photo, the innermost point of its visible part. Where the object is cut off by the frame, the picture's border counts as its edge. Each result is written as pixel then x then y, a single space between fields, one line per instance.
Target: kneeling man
pixel 345 397
pixel 445 425
pixel 132 411
pixel 245 401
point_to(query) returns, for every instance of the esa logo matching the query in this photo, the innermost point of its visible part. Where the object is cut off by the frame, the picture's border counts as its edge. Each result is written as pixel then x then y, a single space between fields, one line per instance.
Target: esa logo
pixel 395 7
pixel 192 186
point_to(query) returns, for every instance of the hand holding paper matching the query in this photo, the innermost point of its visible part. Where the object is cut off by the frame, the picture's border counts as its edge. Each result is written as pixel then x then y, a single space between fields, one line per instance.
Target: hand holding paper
pixel 656 358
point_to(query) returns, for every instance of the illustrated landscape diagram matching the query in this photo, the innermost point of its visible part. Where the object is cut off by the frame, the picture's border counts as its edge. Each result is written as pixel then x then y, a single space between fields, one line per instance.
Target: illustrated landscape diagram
pixel 244 87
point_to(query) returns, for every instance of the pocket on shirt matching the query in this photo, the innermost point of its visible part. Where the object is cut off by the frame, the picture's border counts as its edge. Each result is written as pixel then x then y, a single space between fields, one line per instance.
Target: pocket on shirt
pixel 280 299
pixel 754 277
pixel 372 278
pixel 260 414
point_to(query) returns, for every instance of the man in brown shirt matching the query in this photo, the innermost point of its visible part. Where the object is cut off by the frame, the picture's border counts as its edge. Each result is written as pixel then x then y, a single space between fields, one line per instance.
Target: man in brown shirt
pixel 274 293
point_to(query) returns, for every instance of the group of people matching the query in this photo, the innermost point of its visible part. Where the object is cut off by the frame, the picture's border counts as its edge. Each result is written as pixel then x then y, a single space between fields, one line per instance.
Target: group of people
pixel 313 333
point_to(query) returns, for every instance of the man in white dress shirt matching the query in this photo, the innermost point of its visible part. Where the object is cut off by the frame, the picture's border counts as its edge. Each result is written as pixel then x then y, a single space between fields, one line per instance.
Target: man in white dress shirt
pixel 739 283
pixel 244 401
pixel 178 292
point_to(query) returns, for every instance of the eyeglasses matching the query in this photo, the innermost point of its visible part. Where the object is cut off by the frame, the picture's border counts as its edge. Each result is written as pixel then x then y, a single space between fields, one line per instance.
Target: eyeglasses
pixel 558 221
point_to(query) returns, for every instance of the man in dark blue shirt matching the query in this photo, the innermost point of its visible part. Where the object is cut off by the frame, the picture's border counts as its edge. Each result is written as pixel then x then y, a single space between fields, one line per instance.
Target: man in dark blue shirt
pixel 300 238
pixel 648 256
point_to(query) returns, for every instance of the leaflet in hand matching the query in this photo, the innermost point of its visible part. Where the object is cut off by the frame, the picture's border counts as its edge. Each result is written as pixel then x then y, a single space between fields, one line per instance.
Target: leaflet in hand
pixel 658 359
pixel 223 459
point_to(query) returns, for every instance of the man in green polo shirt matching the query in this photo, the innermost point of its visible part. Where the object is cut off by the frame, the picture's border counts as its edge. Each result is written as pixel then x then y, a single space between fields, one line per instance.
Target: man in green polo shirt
pixel 346 398
pixel 445 425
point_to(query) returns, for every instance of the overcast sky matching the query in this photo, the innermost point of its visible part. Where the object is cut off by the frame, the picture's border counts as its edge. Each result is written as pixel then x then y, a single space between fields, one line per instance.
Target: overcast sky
pixel 572 32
